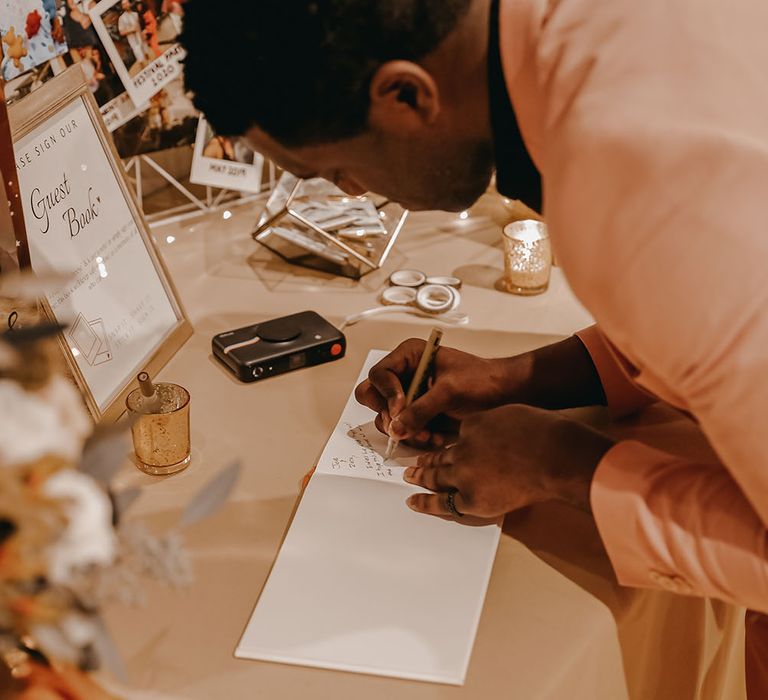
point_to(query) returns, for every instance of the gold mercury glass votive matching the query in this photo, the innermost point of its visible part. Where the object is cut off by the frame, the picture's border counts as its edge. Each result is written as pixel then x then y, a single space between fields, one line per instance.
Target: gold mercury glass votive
pixel 527 257
pixel 161 439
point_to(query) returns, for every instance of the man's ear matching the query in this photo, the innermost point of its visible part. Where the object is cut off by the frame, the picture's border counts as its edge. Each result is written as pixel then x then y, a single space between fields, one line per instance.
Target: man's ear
pixel 403 96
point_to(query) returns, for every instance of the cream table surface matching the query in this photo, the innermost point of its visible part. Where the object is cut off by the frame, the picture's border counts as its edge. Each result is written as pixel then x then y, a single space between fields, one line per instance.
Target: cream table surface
pixel 555 623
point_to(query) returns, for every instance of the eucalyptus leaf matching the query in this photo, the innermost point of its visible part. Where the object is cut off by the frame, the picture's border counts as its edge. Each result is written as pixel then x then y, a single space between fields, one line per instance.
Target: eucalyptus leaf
pixel 106 451
pixel 212 496
pixel 31 334
pixel 30 286
pixel 107 653
pixel 122 501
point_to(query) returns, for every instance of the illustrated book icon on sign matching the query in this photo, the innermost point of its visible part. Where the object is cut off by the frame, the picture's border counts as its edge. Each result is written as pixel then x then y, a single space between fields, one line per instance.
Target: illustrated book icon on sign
pixel 89 338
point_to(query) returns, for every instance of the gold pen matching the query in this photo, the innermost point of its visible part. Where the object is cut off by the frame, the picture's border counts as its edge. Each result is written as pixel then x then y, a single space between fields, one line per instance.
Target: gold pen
pixel 419 382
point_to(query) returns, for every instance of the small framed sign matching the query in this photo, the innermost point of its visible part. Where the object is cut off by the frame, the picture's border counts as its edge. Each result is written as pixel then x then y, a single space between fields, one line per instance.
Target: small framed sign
pixel 119 304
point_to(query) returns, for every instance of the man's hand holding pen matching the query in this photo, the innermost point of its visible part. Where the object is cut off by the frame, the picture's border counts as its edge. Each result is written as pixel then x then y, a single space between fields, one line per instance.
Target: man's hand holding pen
pixel 462 384
pixel 493 452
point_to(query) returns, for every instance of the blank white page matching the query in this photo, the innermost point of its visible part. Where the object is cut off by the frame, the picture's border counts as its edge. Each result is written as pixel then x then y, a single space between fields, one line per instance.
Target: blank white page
pixel 364 584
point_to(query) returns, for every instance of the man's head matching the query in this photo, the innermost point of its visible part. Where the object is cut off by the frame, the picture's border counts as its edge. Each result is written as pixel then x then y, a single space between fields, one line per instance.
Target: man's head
pixel 381 95
pixel 126 5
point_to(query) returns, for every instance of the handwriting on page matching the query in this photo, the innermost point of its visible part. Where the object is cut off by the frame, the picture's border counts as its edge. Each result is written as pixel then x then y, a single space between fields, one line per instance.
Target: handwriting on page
pixel 368 460
pixel 358 450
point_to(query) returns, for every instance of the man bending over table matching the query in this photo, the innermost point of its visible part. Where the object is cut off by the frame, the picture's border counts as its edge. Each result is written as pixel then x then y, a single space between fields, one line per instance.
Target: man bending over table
pixel 643 129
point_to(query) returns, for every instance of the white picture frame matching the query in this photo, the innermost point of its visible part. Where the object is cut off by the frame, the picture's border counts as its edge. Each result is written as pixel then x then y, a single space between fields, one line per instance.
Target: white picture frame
pixel 228 172
pixel 120 110
pixel 120 307
pixel 145 76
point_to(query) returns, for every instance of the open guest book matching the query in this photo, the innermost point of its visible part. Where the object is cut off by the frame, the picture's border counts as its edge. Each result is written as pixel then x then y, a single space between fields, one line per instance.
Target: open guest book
pixel 364 584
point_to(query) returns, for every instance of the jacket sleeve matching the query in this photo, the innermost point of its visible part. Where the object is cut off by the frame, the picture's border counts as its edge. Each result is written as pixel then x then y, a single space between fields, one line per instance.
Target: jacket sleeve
pixel 670 523
pixel 667 522
pixel 623 394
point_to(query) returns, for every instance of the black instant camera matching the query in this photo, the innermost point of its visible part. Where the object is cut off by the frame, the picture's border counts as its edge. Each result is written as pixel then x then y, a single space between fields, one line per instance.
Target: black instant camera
pixel 279 346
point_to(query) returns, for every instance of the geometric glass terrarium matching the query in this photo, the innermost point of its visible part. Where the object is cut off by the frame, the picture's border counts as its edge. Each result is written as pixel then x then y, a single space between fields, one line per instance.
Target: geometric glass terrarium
pixel 315 224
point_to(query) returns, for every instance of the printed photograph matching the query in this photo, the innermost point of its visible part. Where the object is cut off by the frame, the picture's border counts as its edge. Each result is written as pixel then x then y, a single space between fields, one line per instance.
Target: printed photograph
pixel 140 38
pixel 224 148
pixel 87 49
pixel 31 80
pixel 31 34
pixel 223 162
pixel 170 121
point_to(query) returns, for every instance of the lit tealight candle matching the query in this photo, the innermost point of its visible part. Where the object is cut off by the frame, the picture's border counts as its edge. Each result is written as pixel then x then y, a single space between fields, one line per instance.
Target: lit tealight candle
pixel 527 257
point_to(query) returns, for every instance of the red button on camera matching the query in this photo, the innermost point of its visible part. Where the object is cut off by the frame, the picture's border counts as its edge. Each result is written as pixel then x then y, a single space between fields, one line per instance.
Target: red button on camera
pixel 336 349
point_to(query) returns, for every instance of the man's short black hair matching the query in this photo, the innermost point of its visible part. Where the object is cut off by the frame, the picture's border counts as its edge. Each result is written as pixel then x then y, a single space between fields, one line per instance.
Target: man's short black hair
pixel 301 69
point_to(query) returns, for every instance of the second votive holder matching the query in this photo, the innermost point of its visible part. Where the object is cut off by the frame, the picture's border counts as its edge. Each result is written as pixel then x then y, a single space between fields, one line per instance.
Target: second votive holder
pixel 527 257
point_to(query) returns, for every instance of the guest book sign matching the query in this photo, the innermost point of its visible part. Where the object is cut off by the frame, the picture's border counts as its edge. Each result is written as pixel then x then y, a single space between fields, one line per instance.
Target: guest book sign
pixel 82 225
pixel 364 584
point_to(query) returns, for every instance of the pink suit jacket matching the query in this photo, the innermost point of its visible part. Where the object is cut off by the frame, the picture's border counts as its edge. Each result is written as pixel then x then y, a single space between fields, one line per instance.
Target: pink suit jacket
pixel 649 123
